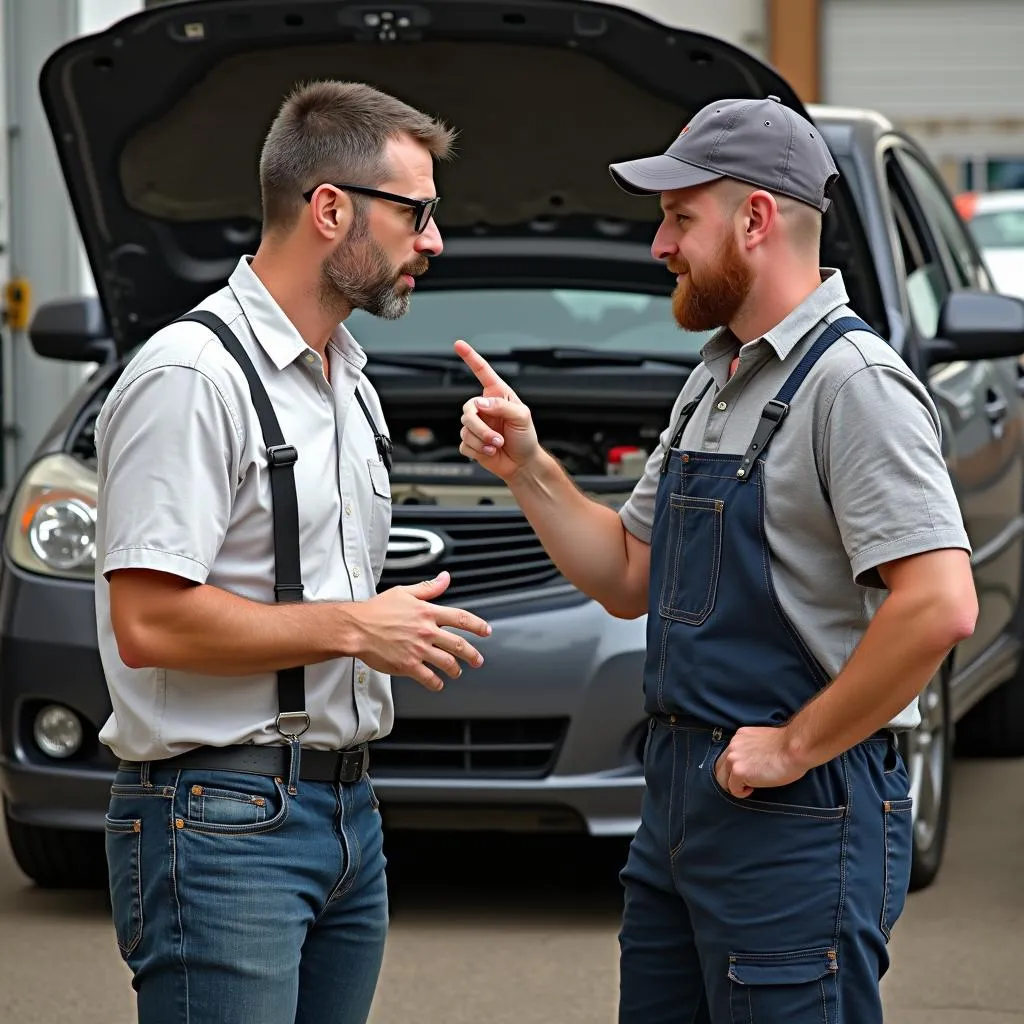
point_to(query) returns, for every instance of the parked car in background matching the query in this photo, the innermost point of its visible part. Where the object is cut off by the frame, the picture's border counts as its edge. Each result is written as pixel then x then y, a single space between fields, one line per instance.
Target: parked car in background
pixel 996 220
pixel 547 270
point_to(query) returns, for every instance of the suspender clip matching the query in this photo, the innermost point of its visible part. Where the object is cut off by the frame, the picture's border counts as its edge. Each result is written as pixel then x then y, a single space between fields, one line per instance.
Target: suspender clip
pixel 282 455
pixel 288 723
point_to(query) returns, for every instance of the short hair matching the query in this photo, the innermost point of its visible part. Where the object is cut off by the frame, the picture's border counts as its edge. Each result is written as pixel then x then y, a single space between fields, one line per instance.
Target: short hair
pixel 336 131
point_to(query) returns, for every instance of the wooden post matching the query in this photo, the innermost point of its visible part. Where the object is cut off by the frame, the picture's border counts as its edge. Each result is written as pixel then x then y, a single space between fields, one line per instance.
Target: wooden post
pixel 794 44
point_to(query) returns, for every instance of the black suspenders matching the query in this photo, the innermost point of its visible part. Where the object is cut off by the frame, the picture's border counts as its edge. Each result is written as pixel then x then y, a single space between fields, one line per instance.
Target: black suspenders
pixel 292 718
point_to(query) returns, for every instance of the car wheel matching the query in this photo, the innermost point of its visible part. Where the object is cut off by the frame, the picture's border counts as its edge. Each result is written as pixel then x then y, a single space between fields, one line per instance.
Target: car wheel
pixel 58 858
pixel 928 754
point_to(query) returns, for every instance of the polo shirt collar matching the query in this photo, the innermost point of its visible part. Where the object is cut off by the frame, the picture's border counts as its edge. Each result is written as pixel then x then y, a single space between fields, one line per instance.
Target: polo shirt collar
pixel 788 333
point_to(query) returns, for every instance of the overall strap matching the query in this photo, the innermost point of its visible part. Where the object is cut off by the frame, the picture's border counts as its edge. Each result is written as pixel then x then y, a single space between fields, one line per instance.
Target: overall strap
pixel 775 411
pixel 292 719
pixel 685 413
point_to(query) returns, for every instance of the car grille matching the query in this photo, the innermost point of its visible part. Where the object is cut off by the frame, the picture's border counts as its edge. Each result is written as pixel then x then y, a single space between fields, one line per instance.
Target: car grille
pixel 486 551
pixel 480 747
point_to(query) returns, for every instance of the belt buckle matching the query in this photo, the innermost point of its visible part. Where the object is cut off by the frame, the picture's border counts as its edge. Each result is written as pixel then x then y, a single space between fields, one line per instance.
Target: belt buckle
pixel 347 770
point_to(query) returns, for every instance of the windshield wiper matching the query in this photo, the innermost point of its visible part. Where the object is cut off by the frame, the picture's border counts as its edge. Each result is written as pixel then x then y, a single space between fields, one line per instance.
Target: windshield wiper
pixel 580 356
pixel 416 362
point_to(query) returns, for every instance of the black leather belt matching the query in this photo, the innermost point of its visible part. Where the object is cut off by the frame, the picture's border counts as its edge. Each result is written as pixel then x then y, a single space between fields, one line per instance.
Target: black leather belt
pixel 314 765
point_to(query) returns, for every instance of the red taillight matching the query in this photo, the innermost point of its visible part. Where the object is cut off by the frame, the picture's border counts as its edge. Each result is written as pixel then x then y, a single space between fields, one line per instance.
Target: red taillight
pixel 966 203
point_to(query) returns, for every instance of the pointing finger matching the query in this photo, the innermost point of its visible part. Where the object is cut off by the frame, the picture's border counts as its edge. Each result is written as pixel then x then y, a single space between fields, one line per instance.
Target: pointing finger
pixel 482 369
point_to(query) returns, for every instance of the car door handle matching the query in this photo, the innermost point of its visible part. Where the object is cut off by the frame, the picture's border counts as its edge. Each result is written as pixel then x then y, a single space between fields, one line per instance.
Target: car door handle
pixel 996 408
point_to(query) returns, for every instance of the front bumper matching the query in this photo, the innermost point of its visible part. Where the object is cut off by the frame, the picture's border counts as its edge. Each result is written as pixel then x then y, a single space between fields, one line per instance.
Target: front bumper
pixel 551 658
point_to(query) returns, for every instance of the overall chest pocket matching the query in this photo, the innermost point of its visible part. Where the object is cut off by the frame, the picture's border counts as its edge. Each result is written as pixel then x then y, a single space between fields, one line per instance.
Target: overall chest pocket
pixel 693 556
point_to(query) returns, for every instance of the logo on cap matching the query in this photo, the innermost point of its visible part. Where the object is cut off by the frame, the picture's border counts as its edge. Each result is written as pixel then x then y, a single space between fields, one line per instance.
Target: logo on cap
pixel 686 128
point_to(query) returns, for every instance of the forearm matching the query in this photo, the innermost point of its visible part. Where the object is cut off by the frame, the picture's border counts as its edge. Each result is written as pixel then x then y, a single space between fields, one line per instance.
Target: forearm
pixel 586 540
pixel 902 649
pixel 207 630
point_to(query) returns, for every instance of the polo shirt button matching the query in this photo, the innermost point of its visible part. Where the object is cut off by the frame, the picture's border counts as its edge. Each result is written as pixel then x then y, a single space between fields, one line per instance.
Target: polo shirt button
pixel 357 572
pixel 722 406
pixel 348 510
pixel 310 358
pixel 362 678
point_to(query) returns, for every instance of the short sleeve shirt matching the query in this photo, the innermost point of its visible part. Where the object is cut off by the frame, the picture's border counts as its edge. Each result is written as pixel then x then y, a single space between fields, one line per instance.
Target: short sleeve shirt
pixel 184 488
pixel 855 476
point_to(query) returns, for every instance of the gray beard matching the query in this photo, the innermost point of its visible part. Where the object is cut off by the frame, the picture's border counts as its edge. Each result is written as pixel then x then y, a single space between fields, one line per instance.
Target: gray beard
pixel 360 276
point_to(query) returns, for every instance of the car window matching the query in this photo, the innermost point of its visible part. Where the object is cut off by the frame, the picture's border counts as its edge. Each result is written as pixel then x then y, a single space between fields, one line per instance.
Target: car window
pixel 998 229
pixel 495 320
pixel 927 283
pixel 945 222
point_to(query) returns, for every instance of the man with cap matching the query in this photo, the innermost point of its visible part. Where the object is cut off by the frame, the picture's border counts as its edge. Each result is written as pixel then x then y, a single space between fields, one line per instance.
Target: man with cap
pixel 798 548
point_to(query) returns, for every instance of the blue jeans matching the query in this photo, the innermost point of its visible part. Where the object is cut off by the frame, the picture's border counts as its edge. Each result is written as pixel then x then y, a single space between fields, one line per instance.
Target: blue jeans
pixel 234 901
pixel 776 909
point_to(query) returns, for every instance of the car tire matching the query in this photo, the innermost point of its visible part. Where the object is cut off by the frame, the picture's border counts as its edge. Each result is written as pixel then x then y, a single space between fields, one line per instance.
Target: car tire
pixel 994 727
pixel 928 754
pixel 58 858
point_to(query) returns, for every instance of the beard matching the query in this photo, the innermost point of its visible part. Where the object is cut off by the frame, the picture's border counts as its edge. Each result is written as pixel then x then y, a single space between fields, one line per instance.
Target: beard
pixel 359 275
pixel 711 299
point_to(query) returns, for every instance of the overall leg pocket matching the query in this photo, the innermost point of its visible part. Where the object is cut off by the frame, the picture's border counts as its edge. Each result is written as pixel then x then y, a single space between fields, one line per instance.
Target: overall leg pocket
pixel 694 553
pixel 898 824
pixel 124 857
pixel 784 988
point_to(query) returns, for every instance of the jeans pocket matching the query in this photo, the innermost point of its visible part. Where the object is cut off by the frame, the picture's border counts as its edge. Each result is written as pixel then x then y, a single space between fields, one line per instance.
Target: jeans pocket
pixel 124 857
pixel 374 801
pixel 898 822
pixel 694 553
pixel 768 988
pixel 229 803
pixel 213 806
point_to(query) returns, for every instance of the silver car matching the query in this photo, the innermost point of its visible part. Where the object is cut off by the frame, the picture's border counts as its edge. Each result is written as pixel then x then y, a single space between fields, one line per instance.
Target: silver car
pixel 547 271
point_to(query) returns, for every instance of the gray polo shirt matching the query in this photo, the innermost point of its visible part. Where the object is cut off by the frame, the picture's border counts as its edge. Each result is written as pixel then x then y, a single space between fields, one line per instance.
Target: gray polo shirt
pixel 184 488
pixel 854 476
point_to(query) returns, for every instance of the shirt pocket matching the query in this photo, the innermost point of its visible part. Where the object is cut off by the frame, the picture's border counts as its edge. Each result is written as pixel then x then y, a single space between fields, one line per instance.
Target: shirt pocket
pixel 380 514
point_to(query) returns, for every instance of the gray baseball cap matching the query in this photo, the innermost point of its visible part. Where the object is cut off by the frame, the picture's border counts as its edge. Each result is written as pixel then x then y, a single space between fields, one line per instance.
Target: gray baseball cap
pixel 761 142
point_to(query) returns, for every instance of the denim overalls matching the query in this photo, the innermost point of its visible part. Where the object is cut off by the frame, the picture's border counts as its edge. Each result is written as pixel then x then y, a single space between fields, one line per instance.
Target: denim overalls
pixel 775 909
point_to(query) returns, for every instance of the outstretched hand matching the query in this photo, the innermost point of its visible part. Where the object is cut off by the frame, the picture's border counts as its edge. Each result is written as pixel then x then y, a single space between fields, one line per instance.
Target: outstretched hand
pixel 497 428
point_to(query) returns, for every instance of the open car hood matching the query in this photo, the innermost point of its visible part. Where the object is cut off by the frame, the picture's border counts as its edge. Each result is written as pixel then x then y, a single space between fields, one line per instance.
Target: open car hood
pixel 158 122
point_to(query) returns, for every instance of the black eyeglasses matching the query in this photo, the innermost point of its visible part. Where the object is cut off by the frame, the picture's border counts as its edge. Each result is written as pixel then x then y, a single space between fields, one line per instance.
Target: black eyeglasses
pixel 424 207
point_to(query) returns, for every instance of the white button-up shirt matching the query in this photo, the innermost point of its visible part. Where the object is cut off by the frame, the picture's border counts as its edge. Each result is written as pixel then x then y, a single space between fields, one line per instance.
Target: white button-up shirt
pixel 184 488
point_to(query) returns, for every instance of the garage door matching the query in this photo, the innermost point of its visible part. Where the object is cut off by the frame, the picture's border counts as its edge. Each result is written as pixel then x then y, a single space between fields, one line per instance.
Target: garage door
pixel 925 60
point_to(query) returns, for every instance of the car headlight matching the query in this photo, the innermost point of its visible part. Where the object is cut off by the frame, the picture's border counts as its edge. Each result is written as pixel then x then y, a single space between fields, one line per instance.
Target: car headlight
pixel 51 522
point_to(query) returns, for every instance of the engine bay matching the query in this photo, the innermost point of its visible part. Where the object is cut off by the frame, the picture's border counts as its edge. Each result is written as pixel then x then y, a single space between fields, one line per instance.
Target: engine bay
pixel 603 442
pixel 605 454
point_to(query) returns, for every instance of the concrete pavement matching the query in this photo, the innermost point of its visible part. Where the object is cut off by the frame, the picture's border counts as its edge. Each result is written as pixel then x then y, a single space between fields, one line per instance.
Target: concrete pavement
pixel 514 930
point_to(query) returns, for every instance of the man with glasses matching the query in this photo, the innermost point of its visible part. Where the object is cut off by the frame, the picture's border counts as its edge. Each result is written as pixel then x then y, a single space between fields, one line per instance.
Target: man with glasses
pixel 244 511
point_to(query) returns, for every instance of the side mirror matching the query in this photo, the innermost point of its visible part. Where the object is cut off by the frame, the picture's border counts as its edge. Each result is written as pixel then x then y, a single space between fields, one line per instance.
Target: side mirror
pixel 978 325
pixel 72 329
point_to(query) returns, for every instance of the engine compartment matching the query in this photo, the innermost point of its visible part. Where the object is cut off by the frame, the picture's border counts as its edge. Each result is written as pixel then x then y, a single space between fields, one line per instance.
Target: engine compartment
pixel 603 443
pixel 604 451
